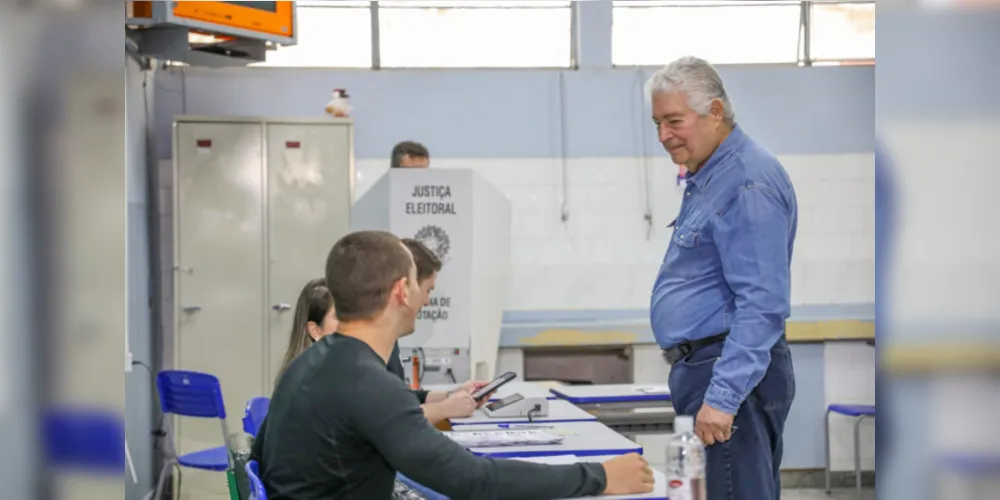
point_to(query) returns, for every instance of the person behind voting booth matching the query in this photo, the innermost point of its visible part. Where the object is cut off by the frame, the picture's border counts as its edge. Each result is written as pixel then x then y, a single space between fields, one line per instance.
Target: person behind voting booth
pixel 409 154
pixel 722 295
pixel 328 440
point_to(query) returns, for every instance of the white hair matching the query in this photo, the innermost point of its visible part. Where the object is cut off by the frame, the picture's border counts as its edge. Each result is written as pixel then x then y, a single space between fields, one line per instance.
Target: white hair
pixel 696 78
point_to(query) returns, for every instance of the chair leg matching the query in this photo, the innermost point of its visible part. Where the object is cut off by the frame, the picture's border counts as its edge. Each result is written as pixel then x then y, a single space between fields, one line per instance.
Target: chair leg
pixel 826 435
pixel 164 475
pixel 857 453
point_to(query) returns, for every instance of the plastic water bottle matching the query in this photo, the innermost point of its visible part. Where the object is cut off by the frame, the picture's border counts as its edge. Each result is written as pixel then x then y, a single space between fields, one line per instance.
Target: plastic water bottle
pixel 685 462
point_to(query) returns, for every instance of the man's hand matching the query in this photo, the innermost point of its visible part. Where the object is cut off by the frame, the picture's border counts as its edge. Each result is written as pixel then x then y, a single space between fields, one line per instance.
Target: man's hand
pixel 627 475
pixel 473 386
pixel 713 426
pixel 458 404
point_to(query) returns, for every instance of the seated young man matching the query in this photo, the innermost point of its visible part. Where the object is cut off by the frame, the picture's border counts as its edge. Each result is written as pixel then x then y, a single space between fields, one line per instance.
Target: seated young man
pixel 340 425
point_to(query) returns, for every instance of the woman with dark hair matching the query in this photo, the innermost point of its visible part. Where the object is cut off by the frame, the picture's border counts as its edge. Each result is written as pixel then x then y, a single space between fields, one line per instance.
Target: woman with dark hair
pixel 315 318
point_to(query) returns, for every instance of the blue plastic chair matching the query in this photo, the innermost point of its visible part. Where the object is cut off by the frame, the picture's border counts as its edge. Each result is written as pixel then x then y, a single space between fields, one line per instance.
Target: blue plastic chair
pixel 254 416
pixel 88 440
pixel 859 413
pixel 194 394
pixel 257 491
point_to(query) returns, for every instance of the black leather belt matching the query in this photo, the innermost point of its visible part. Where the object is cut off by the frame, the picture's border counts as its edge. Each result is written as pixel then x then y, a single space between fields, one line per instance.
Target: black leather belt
pixel 676 353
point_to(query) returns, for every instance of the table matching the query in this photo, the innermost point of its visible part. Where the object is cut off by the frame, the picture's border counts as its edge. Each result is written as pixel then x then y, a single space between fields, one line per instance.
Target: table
pixel 559 411
pixel 659 486
pixel 580 439
pixel 633 395
pixel 628 408
pixel 526 389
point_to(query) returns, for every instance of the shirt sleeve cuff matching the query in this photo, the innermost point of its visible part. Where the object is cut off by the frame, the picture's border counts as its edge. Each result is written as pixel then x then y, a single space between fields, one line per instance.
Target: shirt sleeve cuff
pixel 722 399
pixel 421 395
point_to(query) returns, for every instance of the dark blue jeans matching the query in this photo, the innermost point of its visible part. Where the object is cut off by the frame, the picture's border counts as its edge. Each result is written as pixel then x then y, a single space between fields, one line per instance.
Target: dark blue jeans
pixel 747 466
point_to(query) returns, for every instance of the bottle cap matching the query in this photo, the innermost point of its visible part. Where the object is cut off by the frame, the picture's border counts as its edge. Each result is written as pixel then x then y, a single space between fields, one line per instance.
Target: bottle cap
pixel 683 423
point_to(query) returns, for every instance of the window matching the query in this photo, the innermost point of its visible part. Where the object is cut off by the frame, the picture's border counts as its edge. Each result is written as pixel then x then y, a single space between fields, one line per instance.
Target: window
pixel 649 33
pixel 330 34
pixel 842 31
pixel 474 34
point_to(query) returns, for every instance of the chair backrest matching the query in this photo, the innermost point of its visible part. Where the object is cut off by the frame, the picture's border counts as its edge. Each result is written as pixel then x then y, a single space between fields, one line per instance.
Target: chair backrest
pixel 191 394
pixel 254 415
pixel 256 486
pixel 84 439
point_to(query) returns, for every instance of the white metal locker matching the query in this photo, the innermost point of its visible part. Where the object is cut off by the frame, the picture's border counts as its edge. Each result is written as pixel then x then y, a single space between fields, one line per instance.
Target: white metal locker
pixel 219 252
pixel 309 193
pixel 258 205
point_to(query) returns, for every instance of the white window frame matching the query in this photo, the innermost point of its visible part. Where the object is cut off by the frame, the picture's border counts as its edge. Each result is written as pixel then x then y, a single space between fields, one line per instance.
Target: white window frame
pixel 334 4
pixel 807 23
pixel 804 43
pixel 805 58
pixel 517 5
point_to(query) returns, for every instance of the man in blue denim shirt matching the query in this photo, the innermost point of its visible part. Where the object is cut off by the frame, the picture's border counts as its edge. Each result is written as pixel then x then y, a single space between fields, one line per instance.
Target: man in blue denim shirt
pixel 722 295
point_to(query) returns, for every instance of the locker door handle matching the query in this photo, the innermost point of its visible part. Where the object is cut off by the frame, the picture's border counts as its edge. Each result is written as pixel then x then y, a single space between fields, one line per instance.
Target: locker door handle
pixel 281 307
pixel 191 309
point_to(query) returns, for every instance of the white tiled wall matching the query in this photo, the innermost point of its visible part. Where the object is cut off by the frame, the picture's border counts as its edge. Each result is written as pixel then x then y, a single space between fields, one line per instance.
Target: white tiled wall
pixel 964 413
pixel 850 379
pixel 605 256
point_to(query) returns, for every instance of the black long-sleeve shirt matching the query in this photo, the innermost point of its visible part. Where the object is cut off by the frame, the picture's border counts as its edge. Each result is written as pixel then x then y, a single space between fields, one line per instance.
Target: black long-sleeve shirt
pixel 340 426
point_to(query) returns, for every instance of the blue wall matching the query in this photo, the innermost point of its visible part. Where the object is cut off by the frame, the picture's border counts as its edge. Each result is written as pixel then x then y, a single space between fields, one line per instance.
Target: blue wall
pixel 139 398
pixel 951 74
pixel 804 441
pixel 516 113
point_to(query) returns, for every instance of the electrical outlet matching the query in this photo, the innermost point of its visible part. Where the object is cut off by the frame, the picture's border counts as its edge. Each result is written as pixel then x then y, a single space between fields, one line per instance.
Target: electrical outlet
pixel 128 361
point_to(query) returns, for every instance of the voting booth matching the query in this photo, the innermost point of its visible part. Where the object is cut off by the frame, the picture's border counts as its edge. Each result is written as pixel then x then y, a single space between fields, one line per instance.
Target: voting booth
pixel 466 222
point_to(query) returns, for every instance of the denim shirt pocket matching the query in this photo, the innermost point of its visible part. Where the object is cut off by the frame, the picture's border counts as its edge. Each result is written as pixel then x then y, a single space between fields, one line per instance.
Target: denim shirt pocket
pixel 687 255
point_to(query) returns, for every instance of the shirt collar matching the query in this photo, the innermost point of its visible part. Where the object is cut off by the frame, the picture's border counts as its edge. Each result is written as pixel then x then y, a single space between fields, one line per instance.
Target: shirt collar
pixel 703 176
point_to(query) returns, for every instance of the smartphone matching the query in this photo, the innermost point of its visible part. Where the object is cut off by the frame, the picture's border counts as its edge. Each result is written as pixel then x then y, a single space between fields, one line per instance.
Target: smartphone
pixel 494 385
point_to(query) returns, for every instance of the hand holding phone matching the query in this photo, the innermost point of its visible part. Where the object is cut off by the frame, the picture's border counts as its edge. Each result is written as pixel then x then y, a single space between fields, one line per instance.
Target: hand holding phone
pixel 491 387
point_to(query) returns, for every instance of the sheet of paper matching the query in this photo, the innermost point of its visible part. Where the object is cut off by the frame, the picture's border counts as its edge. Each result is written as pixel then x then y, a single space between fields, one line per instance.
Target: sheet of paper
pixel 654 389
pixel 510 437
pixel 553 460
pixel 662 409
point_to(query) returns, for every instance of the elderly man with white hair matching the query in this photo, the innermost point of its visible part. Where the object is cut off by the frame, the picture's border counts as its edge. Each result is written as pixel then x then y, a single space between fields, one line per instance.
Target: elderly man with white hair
pixel 722 295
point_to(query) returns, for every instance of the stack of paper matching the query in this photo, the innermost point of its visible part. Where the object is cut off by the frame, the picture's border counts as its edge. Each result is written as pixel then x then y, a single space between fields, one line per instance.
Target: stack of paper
pixel 505 437
pixel 660 389
pixel 553 460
